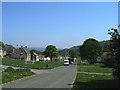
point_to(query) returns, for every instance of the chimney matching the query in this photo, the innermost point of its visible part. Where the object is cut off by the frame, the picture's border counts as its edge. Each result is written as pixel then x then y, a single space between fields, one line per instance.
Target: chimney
pixel 17 46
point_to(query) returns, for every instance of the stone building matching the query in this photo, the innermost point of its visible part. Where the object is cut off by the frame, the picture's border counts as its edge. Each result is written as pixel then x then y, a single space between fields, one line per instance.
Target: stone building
pixel 2 53
pixel 21 53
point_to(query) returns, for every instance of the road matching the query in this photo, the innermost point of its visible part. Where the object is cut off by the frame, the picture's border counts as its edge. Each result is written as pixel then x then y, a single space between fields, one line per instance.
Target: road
pixel 61 77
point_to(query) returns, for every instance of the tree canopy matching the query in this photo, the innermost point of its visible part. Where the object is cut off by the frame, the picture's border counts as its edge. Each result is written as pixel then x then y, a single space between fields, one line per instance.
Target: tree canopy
pixel 73 53
pixel 90 50
pixel 50 51
pixel 115 50
pixel 33 50
pixel 2 45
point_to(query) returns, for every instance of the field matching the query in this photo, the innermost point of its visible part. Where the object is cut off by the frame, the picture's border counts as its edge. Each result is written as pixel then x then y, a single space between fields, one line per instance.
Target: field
pixel 10 74
pixel 95 81
pixel 94 76
pixel 36 65
pixel 97 68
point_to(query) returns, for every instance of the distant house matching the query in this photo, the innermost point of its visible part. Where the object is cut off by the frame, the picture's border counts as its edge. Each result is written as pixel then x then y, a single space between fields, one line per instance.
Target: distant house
pixel 2 53
pixel 48 59
pixel 60 58
pixel 66 57
pixel 21 53
pixel 35 56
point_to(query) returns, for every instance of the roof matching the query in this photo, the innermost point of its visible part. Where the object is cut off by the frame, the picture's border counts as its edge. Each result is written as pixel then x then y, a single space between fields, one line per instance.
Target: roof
pixel 35 53
pixel 26 50
pixel 15 56
pixel 16 51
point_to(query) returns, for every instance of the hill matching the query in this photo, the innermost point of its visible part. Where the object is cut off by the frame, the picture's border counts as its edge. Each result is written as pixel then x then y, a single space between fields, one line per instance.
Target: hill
pixel 104 44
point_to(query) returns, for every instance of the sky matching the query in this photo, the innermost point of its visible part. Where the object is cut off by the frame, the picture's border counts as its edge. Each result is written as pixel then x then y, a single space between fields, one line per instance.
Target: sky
pixel 63 24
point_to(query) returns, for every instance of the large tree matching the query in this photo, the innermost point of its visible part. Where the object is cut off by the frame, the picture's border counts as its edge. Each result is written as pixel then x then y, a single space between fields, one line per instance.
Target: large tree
pixel 90 50
pixel 115 50
pixel 73 53
pixel 50 51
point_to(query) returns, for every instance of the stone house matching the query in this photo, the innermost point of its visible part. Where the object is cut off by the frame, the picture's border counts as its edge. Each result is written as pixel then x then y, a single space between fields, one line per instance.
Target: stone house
pixel 21 53
pixel 2 53
pixel 35 56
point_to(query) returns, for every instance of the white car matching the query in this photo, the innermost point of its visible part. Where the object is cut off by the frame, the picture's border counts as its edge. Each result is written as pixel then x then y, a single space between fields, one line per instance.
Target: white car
pixel 66 62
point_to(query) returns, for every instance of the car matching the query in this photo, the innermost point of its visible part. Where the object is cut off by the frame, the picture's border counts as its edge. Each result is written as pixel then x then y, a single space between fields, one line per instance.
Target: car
pixel 66 62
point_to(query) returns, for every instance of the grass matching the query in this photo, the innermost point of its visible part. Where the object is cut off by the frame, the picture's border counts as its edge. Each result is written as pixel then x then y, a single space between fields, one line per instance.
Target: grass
pixel 14 74
pixel 36 65
pixel 0 75
pixel 97 68
pixel 94 81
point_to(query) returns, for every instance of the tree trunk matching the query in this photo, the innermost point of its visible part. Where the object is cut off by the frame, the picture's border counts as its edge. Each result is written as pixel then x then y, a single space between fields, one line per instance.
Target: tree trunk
pixel 51 58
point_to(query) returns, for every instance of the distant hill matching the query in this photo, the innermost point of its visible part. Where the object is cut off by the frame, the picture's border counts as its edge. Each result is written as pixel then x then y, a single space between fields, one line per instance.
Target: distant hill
pixel 104 44
pixel 66 51
pixel 40 49
pixel 37 49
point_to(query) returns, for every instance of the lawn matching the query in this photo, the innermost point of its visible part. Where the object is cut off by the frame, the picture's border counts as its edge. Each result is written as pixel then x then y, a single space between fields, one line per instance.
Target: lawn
pixel 36 65
pixel 14 74
pixel 92 81
pixel 0 75
pixel 97 68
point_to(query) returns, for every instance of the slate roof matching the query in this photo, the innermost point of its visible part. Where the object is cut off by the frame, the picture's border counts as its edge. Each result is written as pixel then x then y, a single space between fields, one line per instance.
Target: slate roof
pixel 35 53
pixel 16 51
pixel 15 56
pixel 26 50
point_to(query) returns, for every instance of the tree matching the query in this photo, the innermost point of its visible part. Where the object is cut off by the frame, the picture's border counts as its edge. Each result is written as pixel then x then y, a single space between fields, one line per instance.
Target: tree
pixel 90 50
pixel 73 53
pixel 2 45
pixel 50 51
pixel 33 50
pixel 115 50
pixel 9 49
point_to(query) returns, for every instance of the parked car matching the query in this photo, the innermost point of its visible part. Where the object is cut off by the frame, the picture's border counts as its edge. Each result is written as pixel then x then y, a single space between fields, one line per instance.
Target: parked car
pixel 66 62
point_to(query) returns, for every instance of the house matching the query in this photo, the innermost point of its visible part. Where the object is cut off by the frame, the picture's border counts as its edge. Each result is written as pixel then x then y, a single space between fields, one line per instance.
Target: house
pixel 35 56
pixel 60 58
pixel 21 53
pixel 2 52
pixel 66 57
pixel 48 59
pixel 43 58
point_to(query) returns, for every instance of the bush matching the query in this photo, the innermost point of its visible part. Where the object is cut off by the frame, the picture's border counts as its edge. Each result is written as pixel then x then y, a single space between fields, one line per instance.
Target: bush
pixel 9 69
pixel 116 72
pixel 109 61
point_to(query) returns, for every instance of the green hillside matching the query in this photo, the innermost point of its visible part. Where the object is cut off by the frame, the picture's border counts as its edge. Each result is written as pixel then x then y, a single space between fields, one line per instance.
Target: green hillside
pixel 105 45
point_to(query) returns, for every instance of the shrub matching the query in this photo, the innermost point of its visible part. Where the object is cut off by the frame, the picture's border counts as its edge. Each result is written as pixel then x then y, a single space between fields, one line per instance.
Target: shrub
pixel 109 61
pixel 27 70
pixel 23 70
pixel 9 69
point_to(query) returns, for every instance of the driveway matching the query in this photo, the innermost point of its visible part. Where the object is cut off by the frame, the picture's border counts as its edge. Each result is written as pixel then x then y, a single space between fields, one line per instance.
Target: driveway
pixel 61 77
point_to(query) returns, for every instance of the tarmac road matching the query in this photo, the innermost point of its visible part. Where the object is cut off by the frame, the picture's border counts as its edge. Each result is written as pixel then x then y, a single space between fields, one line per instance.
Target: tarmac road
pixel 61 77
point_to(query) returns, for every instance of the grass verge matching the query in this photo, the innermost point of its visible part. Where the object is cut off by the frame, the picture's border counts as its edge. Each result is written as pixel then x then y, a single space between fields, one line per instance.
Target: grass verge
pixel 88 81
pixel 11 74
pixel 36 65
pixel 96 68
